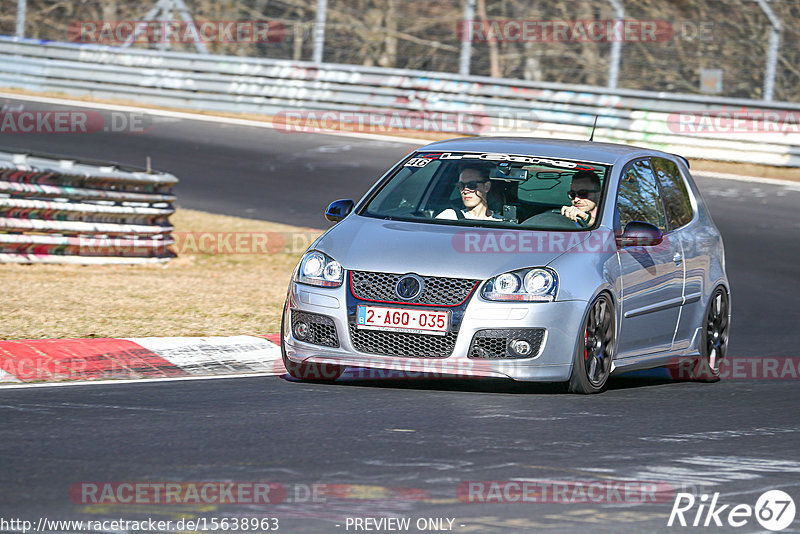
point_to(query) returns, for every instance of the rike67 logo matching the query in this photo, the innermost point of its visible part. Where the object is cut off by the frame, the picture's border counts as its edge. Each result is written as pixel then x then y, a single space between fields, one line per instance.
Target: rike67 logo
pixel 774 510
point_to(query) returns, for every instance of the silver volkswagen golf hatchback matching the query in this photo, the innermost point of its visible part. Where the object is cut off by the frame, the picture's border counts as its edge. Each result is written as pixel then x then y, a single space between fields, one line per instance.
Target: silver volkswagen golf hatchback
pixel 531 259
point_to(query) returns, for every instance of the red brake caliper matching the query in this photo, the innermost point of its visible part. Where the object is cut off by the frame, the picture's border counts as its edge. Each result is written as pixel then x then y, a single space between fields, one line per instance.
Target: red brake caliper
pixel 586 344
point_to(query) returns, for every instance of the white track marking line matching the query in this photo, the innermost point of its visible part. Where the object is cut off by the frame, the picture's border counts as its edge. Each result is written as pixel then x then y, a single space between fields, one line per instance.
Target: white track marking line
pixel 200 117
pixel 7 377
pixel 131 381
pixel 791 184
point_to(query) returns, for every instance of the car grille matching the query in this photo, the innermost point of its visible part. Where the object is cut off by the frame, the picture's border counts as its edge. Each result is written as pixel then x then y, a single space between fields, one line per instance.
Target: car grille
pixel 494 344
pixel 321 329
pixel 402 344
pixel 439 291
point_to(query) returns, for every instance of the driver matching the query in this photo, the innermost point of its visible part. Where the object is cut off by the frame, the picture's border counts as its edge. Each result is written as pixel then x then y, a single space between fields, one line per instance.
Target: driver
pixel 584 194
pixel 474 185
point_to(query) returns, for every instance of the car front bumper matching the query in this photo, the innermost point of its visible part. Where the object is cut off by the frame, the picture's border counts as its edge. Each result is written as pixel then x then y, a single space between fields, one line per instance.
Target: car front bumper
pixel 552 363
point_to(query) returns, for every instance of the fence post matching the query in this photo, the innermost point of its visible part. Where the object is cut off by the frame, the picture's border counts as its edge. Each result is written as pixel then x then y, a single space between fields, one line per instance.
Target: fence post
pixel 466 37
pixel 772 50
pixel 616 43
pixel 22 11
pixel 319 30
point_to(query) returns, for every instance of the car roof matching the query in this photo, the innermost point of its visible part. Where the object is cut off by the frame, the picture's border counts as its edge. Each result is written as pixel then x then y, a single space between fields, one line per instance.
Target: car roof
pixel 539 146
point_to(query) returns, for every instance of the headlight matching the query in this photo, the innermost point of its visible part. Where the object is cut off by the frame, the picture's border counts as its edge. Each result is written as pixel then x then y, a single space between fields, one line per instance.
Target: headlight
pixel 317 269
pixel 538 282
pixel 506 283
pixel 537 285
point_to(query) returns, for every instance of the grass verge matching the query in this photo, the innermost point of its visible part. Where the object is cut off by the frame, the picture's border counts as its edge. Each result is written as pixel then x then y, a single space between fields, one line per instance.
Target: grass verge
pixel 216 289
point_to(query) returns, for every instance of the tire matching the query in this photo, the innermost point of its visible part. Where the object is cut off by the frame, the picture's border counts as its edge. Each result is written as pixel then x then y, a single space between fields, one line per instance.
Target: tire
pixel 714 334
pixel 309 372
pixel 591 365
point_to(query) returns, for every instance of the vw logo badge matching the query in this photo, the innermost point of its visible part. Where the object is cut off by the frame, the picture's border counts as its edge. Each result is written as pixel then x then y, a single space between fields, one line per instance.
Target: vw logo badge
pixel 409 287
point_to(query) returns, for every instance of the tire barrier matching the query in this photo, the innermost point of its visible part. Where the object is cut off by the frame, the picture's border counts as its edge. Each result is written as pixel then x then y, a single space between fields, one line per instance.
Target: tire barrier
pixel 696 126
pixel 66 211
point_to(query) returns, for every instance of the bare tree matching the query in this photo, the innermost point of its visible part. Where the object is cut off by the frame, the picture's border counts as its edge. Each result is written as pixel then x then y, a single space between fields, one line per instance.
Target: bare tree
pixel 730 35
pixel 494 54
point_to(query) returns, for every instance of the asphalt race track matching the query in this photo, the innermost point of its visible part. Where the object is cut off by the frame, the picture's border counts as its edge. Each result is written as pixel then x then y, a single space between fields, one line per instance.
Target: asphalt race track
pixel 390 448
pixel 245 171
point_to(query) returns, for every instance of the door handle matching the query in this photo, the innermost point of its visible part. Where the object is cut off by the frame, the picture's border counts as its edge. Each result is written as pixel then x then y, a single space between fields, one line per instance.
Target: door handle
pixel 677 258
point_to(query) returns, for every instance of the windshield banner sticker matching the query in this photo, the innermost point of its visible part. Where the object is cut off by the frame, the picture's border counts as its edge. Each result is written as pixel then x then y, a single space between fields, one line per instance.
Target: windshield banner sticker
pixel 492 156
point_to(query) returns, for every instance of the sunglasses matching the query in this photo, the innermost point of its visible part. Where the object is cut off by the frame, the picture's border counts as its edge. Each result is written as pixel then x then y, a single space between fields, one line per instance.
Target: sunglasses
pixel 472 186
pixel 581 193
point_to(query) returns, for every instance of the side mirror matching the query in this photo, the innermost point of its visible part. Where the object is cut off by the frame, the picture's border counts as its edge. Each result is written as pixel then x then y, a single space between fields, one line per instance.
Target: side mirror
pixel 640 234
pixel 339 209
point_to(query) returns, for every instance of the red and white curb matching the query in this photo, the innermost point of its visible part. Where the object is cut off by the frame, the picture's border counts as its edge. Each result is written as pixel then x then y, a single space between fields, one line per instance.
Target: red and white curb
pixel 33 361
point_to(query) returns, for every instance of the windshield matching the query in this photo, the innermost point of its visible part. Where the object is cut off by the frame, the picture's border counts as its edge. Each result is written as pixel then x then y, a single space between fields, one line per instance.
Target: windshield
pixel 481 189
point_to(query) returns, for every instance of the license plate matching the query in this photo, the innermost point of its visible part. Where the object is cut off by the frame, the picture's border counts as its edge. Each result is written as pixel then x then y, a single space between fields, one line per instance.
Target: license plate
pixel 403 320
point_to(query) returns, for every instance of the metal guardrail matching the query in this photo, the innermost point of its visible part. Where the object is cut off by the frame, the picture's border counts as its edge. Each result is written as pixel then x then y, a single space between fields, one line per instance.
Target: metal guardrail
pixel 66 211
pixel 491 106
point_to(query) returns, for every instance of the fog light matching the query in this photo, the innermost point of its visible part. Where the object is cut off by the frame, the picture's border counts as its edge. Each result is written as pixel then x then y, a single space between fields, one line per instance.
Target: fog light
pixel 301 330
pixel 520 347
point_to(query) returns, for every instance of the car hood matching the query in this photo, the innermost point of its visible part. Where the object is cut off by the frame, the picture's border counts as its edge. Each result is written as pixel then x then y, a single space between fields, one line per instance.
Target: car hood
pixel 368 244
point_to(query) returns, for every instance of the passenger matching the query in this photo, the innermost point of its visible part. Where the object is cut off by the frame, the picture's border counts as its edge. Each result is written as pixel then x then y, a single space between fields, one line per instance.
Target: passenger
pixel 584 194
pixel 474 185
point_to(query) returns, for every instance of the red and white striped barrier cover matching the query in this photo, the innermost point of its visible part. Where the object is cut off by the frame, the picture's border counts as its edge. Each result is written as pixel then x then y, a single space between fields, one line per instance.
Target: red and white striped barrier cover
pixel 57 360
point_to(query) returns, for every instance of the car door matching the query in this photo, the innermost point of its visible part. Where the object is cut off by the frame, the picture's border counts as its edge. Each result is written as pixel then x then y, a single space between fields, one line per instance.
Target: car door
pixel 651 277
pixel 680 222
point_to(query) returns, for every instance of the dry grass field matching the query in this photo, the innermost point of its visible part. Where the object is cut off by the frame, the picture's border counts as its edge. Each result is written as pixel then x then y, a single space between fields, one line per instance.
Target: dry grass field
pixel 215 286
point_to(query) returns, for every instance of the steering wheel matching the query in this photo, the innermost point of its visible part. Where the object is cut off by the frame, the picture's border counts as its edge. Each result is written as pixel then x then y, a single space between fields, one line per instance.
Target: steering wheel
pixel 580 223
pixel 553 220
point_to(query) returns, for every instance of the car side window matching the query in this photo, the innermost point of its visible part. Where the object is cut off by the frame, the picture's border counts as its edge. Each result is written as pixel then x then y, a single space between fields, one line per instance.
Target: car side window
pixel 673 188
pixel 639 198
